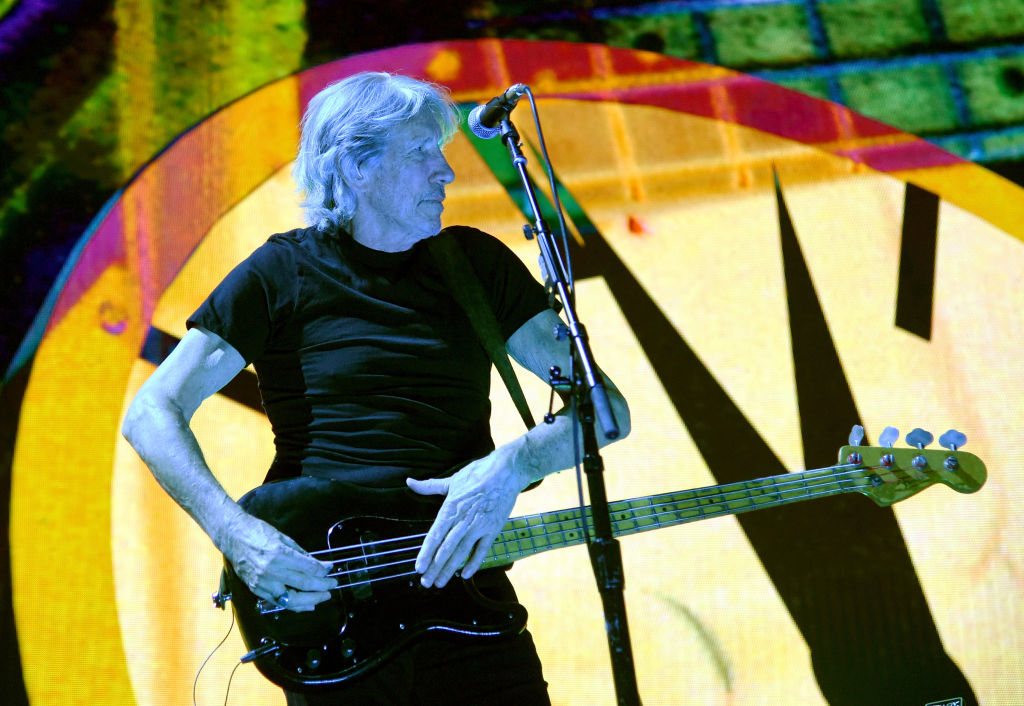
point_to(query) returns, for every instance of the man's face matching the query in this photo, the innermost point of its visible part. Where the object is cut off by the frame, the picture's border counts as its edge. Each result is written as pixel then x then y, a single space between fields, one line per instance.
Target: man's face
pixel 399 199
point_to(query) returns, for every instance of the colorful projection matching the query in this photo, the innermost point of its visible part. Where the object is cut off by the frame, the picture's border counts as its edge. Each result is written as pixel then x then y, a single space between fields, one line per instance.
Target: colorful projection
pixel 759 270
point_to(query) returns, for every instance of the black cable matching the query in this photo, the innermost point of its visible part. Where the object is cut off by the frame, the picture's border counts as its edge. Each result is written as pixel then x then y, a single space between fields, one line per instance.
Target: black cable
pixel 566 258
pixel 220 644
pixel 563 231
pixel 230 677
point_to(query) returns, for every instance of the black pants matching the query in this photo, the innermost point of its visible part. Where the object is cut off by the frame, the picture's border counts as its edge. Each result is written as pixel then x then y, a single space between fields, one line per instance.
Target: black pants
pixel 442 670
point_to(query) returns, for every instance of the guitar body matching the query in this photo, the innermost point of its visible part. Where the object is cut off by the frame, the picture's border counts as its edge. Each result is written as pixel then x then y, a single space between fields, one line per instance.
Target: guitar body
pixel 374 536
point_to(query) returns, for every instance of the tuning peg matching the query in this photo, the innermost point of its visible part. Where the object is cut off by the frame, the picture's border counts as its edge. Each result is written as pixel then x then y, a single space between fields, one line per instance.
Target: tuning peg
pixel 888 436
pixel 953 439
pixel 856 435
pixel 919 438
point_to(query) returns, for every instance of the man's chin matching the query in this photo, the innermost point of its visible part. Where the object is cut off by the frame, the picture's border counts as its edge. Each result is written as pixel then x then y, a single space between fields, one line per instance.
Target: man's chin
pixel 430 227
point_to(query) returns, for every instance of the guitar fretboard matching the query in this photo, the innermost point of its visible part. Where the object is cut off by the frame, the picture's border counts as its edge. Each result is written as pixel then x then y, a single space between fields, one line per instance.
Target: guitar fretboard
pixel 532 534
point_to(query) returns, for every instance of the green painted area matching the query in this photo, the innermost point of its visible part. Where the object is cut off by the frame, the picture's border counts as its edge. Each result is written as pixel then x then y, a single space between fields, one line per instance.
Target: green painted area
pixel 858 28
pixel 817 87
pixel 766 35
pixel 545 32
pixel 63 119
pixel 915 99
pixel 995 90
pixel 981 20
pixel 1004 146
pixel 208 54
pixel 671 34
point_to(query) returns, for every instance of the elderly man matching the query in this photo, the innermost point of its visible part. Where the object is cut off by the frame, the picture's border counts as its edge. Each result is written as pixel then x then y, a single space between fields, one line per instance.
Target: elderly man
pixel 370 373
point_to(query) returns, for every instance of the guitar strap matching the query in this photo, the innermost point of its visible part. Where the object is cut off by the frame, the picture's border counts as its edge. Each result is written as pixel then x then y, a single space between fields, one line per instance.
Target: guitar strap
pixel 469 293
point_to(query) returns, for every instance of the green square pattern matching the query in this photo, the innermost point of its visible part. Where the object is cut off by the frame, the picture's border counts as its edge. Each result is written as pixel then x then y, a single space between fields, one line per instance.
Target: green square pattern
pixel 1005 146
pixel 673 34
pixel 994 89
pixel 977 20
pixel 912 98
pixel 761 35
pixel 858 28
pixel 817 87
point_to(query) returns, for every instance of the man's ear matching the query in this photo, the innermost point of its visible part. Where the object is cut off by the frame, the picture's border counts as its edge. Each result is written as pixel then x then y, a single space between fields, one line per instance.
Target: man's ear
pixel 356 176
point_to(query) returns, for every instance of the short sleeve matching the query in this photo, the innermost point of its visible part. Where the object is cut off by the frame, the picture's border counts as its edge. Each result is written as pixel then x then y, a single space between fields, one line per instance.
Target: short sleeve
pixel 248 306
pixel 515 295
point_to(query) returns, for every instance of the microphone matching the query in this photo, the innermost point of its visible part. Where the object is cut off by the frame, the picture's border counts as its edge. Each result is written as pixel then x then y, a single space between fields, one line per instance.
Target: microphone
pixel 484 120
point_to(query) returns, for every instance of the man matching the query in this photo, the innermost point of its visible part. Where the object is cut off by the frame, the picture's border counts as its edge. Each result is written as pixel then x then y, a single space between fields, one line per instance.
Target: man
pixel 370 373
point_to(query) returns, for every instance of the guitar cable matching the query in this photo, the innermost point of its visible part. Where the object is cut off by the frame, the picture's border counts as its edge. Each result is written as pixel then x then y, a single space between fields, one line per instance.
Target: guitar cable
pixel 227 691
pixel 220 644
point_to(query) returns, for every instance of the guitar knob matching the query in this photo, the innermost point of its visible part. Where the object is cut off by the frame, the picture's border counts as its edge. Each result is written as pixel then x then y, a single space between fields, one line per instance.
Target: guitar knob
pixel 313 658
pixel 856 435
pixel 919 438
pixel 952 439
pixel 888 436
pixel 348 648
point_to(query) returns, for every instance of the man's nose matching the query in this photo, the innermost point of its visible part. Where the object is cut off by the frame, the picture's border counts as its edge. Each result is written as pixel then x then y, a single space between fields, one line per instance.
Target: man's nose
pixel 443 173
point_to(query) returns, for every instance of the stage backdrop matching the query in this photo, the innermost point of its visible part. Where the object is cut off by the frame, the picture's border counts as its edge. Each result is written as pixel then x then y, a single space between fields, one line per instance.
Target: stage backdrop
pixel 758 270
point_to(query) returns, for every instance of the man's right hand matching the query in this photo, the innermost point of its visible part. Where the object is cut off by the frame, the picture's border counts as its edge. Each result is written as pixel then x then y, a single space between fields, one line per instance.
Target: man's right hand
pixel 274 567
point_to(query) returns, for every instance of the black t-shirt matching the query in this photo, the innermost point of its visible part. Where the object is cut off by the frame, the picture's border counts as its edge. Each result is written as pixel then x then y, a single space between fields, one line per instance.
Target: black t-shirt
pixel 369 370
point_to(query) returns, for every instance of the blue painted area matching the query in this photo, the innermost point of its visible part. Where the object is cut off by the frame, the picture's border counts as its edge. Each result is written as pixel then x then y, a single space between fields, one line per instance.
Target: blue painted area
pixel 34 335
pixel 933 18
pixel 839 68
pixel 816 27
pixel 683 6
pixel 977 145
pixel 705 38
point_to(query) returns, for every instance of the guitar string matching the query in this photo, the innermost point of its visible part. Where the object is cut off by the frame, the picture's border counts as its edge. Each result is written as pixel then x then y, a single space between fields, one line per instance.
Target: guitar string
pixel 554 545
pixel 778 490
pixel 836 477
pixel 808 485
pixel 576 525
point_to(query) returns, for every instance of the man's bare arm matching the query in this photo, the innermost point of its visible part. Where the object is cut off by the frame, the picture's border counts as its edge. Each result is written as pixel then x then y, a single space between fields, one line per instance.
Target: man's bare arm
pixel 157 427
pixel 480 497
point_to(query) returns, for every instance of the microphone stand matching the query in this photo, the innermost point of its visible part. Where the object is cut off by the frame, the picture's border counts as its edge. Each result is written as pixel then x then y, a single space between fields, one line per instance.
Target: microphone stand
pixel 591 397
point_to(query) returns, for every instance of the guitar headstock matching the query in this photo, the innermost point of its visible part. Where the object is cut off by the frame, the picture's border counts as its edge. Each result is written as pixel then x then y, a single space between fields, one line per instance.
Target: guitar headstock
pixel 898 473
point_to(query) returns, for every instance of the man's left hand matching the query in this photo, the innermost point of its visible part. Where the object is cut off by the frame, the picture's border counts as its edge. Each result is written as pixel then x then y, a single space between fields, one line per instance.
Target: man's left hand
pixel 479 499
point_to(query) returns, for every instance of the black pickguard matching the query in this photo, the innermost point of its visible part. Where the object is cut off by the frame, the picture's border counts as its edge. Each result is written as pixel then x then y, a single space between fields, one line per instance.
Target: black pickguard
pixel 374 614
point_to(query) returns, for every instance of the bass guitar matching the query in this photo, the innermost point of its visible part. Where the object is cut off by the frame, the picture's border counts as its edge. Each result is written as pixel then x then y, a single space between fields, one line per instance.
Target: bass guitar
pixel 372 538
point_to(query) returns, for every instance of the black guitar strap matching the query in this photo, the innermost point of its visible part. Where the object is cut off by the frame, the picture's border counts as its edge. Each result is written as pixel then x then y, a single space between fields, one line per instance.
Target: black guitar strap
pixel 469 293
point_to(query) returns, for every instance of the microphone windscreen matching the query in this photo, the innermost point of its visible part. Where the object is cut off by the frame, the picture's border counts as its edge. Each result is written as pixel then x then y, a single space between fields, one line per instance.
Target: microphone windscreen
pixel 481 131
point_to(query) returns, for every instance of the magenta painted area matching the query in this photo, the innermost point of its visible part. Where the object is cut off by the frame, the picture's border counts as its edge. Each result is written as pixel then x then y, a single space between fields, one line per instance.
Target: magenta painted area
pixel 105 247
pixel 917 154
pixel 475 69
pixel 692 98
pixel 530 62
pixel 864 126
pixel 645 63
pixel 783 112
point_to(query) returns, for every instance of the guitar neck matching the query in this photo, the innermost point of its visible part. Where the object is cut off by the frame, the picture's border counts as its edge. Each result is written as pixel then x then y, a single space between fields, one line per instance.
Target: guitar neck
pixel 531 534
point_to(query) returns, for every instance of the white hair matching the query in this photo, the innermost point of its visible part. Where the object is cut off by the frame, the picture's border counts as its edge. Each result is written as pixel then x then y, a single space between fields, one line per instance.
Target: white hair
pixel 346 127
